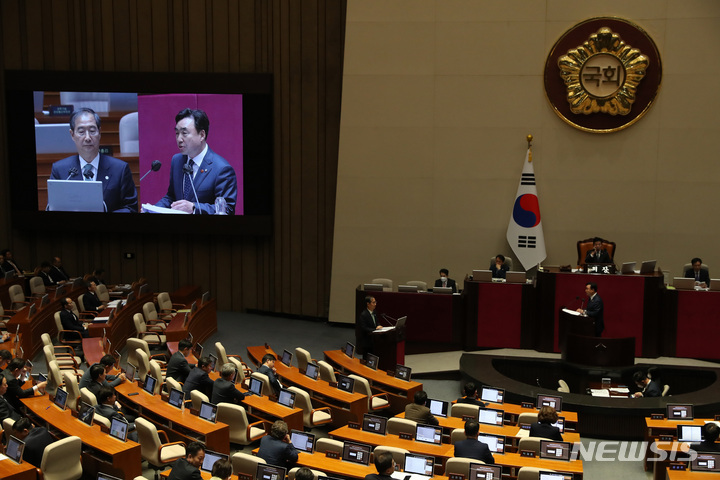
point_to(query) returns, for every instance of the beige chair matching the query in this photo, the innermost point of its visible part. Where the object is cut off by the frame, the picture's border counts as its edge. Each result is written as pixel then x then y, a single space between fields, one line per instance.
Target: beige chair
pixel 421 286
pixel 61 460
pixel 156 372
pixel 385 282
pixel 396 426
pixel 242 432
pixel 102 293
pixel 531 473
pixel 166 306
pixel 128 133
pixel 665 390
pixel 323 445
pixel 88 397
pixel 530 443
pixel 327 372
pixel 150 318
pixel 66 364
pixel 17 297
pixel 457 435
pixel 508 262
pixel 459 465
pixel 563 386
pixel 102 421
pixel 266 388
pixel 397 453
pixel 172 383
pixel 236 360
pixel 303 358
pixel 312 417
pixel 4 318
pixel 464 409
pixel 7 424
pixel 153 338
pixel 70 338
pixel 73 391
pixel 143 365
pixel 527 418
pixel 197 397
pixel 37 287
pixel 65 355
pixel 246 464
pixel 158 455
pixel 375 402
pixel 132 345
pixel 55 378
pixel 316 473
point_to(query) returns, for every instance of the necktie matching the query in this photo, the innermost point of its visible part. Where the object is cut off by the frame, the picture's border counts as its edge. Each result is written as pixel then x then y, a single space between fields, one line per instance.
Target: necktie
pixel 87 172
pixel 187 185
pixel 373 317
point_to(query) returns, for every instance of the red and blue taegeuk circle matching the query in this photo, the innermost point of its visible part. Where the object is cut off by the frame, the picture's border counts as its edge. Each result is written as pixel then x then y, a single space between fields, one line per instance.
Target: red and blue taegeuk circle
pixel 526 211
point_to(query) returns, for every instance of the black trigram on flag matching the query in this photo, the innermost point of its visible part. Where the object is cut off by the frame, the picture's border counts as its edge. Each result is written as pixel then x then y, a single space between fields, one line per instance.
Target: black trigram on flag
pixel 525 241
pixel 527 179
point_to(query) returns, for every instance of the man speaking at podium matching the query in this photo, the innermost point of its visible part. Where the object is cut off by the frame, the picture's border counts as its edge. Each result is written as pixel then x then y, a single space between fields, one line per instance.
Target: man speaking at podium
pixel 119 193
pixel 198 175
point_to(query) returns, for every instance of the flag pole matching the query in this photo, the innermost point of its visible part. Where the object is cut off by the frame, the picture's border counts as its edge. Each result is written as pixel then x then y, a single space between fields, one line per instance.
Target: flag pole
pixel 529 140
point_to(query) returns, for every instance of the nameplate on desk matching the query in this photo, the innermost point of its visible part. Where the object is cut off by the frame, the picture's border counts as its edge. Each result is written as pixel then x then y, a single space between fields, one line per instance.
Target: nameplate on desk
pixel 456 476
pixel 331 454
pixel 354 425
pixel 666 438
pixel 406 436
pixel 527 453
pixel 333 384
pixel 61 110
pixel 244 476
pixel 600 268
pixel 657 416
pixel 524 426
pixel 466 418
pixel 677 466
pixel 527 405
pixel 106 150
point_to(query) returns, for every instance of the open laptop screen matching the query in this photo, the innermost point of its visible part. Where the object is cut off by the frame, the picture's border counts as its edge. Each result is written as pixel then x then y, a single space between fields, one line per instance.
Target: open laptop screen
pixel 176 398
pixel 549 401
pixel 345 383
pixel 496 443
pixel 86 412
pixel 303 441
pixel 677 411
pixel 439 408
pixel 371 361
pixel 14 449
pixel 402 372
pixel 689 433
pixel 480 471
pixel 349 349
pixel 60 398
pixel 287 358
pixel 256 386
pixel 553 450
pixel 286 398
pixel 419 464
pixel 494 395
pixel 119 428
pixel 208 411
pixel 210 459
pixel 149 386
pixel 428 434
pixel 312 371
pixel 490 416
pixel 213 362
pixel 270 472
pixel 356 453
pixel 374 424
pixel 197 351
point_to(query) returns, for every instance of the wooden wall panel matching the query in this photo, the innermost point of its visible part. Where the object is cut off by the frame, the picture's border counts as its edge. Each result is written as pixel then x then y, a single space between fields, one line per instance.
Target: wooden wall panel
pixel 299 42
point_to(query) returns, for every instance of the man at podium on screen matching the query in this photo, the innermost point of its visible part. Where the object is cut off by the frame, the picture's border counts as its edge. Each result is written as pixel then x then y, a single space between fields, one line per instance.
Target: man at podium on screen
pixel 367 323
pixel 198 176
pixel 119 192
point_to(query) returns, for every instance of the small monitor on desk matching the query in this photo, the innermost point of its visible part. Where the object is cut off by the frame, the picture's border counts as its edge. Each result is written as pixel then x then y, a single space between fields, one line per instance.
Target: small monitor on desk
pixel 210 459
pixel 402 372
pixel 44 300
pixel 208 411
pixel 374 424
pixel 32 310
pixel 677 411
pixel 193 307
pixel 407 288
pixel 312 371
pixel 444 290
pixel 130 297
pixel 628 268
pixel 349 349
pixel 270 472
pixel 689 433
pixel 495 443
pixel 197 350
pixel 439 408
pixel 345 383
pixel 682 283
pixel 552 450
pixel 213 362
pixel 256 386
pixel 14 449
pixel 419 464
pixel 9 275
pixel 356 453
pixel 286 398
pixel 150 383
pixel 205 298
pixel 176 398
pixel 480 471
pixel 482 276
pixel 373 287
pixel 549 401
pixel 648 267
pixel 119 428
pixel 286 358
pixel 303 441
pixel 706 462
pixel 515 277
pixel 60 398
pixel 428 434
pixel 490 416
pixel 371 361
pixel 491 394
pixel 60 291
pixel 86 412
pixel 130 372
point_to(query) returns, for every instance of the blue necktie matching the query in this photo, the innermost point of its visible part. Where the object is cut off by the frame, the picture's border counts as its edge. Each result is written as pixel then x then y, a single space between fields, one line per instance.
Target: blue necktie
pixel 87 172
pixel 187 184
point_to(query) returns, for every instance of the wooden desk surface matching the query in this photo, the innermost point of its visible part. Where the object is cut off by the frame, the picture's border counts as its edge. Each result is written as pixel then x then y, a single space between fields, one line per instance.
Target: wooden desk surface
pixel 666 424
pixel 345 406
pixel 202 324
pixel 216 436
pixel 10 470
pixel 124 456
pixel 688 475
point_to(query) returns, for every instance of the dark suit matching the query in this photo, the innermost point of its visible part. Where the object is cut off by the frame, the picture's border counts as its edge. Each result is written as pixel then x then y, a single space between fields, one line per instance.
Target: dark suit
pixel 545 430
pixel 7 410
pixel 35 444
pixel 59 274
pixel 594 310
pixel 71 322
pixel 450 283
pixel 15 391
pixel 86 380
pixel 378 476
pixel 182 470
pixel 92 303
pixel 119 192
pixel 420 414
pixel 224 391
pixel 198 379
pixel 498 273
pixel 702 276
pixel 652 389
pixel 274 382
pixel 111 411
pixel 706 447
pixel 276 452
pixel 178 367
pixel 47 280
pixel 472 448
pixel 602 257
pixel 472 401
pixel 363 332
pixel 214 178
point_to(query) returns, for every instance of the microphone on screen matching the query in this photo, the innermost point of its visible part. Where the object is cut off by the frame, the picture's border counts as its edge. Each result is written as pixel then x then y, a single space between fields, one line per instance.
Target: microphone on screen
pixel 71 173
pixel 154 167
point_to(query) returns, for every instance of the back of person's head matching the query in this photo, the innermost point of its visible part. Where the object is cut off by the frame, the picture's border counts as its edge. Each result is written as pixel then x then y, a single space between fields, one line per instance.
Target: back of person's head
pixel 472 428
pixel 267 357
pixel 279 429
pixel 227 371
pixel 547 414
pixel 104 393
pixel 96 371
pixel 445 271
pixel 470 389
pixel 5 355
pixel 204 362
pixel 711 432
pixel 639 377
pixel 223 469
pixel 184 343
pixel 383 462
pixel 420 397
pixel 194 448
pixel 304 473
pixel 107 360
pixel 22 424
pixel 16 363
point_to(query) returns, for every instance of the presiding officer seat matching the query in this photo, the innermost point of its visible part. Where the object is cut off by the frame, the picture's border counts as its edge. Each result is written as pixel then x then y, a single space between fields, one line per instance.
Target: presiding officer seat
pixel 584 246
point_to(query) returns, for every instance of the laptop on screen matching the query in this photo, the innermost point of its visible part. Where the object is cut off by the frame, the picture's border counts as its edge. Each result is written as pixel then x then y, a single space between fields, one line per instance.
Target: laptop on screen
pixel 374 424
pixel 553 450
pixel 60 398
pixel 356 453
pixel 86 413
pixel 119 428
pixel 176 398
pixel 286 398
pixel 496 443
pixel 312 371
pixel 402 372
pixel 490 416
pixel 706 462
pixel 493 395
pixel 150 383
pixel 627 268
pixel 208 411
pixel 14 449
pixel 549 401
pixel 417 464
pixel 689 433
pixel 371 361
pixel 480 471
pixel 303 441
pixel 439 408
pixel 210 459
pixel 428 434
pixel 349 349
pixel 270 472
pixel 286 358
pixel 75 196
pixel 676 411
pixel 345 383
pixel 372 287
pixel 256 386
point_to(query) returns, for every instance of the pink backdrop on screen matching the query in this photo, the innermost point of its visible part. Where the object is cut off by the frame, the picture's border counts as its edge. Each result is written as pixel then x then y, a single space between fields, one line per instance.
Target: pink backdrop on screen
pixel 156 125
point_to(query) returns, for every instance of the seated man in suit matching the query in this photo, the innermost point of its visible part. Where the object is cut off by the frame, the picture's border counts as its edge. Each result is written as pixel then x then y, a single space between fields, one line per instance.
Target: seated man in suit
pixel 199 378
pixel 188 468
pixel 471 447
pixel 702 277
pixel 44 272
pixel 597 254
pixel 198 175
pixel 6 410
pixel 418 411
pixel 224 389
pixel 650 388
pixel 471 396
pixel 268 368
pixel 35 438
pixel 444 281
pixel 276 448
pixel 69 320
pixel 57 272
pixel 178 366
pixel 15 376
pixel 385 465
pixel 547 416
pixel 499 268
pixel 91 302
pixel 107 362
pixel 107 406
pixel 119 192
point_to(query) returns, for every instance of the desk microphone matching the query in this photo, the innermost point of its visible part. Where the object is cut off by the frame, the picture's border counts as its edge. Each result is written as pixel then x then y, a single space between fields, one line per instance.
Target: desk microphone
pixel 188 169
pixel 154 167
pixel 71 173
